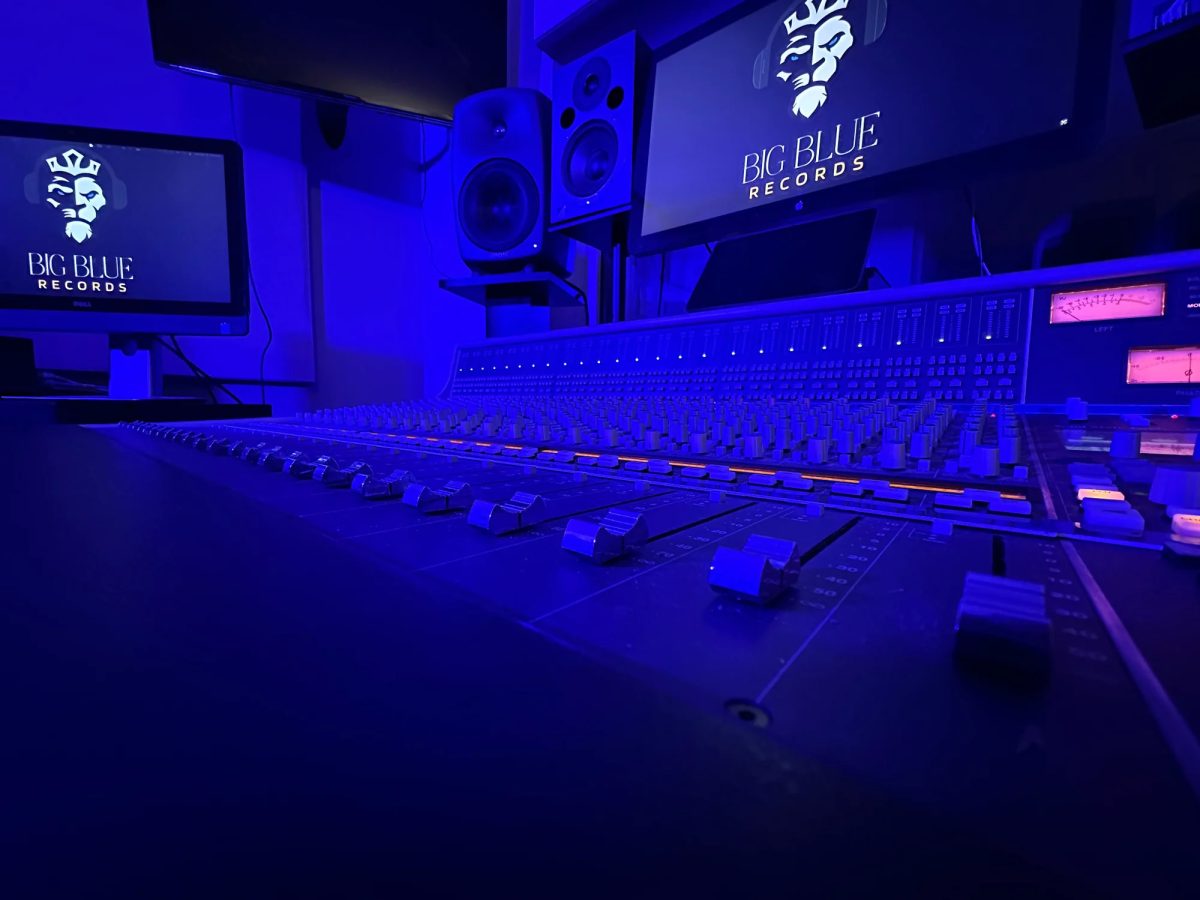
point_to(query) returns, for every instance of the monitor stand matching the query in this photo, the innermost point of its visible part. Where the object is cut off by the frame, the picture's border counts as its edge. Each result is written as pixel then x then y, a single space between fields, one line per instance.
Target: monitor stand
pixel 134 367
pixel 824 256
pixel 134 394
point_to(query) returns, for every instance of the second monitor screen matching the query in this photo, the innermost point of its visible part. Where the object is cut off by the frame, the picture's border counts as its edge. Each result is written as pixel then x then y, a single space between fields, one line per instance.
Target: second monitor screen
pixel 804 95
pixel 94 226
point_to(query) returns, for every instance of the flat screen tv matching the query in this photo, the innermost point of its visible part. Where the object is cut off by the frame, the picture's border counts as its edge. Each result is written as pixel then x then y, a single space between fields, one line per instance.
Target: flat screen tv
pixel 793 107
pixel 415 58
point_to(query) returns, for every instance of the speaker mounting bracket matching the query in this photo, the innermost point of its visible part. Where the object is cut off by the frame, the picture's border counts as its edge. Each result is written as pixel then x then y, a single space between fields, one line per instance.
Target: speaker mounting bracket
pixel 608 233
pixel 522 302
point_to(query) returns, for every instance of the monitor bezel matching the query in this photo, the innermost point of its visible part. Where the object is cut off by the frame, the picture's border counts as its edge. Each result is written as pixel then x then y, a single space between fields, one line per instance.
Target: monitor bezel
pixel 21 312
pixel 1092 70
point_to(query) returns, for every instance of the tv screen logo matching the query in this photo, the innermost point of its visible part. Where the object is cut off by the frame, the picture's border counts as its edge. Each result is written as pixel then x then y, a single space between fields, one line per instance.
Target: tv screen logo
pixel 80 188
pixel 76 193
pixel 806 46
pixel 71 184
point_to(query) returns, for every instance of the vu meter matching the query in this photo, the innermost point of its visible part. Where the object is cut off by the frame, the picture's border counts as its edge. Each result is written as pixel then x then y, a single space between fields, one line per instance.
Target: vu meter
pixel 1135 301
pixel 1163 365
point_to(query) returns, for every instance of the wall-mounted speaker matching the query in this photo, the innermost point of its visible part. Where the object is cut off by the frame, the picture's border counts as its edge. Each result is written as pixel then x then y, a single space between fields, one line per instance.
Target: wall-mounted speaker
pixel 1162 70
pixel 499 163
pixel 595 116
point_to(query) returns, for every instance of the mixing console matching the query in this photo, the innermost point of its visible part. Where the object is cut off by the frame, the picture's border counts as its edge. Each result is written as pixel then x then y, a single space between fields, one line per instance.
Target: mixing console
pixel 855 525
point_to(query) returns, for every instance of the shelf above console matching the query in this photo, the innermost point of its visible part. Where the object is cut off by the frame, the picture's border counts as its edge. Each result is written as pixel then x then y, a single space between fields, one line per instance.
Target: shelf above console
pixel 596 22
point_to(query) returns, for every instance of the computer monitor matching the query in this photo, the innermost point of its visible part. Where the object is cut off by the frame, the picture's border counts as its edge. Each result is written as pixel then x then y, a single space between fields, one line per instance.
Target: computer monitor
pixel 784 111
pixel 120 232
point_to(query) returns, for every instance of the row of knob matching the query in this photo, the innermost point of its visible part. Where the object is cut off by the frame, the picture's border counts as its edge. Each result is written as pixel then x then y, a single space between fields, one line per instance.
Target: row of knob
pixel 941 359
pixel 823 389
pixel 814 432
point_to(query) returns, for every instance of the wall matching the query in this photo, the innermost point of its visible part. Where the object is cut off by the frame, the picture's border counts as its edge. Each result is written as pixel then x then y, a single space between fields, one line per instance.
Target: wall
pixel 383 234
pixel 109 80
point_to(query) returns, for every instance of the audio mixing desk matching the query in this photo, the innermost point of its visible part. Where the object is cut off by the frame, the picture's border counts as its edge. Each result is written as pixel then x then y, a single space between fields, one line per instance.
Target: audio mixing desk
pixel 933 539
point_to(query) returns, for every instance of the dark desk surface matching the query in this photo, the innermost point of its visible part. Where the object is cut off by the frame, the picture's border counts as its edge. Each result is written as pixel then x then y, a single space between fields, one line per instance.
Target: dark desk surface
pixel 50 409
pixel 204 697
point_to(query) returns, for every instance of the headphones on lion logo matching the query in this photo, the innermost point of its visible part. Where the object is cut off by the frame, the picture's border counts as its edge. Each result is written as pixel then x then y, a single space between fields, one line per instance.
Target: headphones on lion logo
pixel 877 11
pixel 118 196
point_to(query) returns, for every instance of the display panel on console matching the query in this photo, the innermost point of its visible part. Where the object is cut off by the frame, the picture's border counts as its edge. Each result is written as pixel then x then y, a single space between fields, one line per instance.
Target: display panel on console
pixel 802 96
pixel 117 226
pixel 1163 365
pixel 1138 301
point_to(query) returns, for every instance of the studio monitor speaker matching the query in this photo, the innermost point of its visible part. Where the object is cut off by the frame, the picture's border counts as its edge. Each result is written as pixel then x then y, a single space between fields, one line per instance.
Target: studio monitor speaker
pixel 595 117
pixel 1162 70
pixel 499 165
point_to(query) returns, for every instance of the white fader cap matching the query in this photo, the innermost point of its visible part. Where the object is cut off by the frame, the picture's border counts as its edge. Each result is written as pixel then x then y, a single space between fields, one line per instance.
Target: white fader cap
pixel 1186 525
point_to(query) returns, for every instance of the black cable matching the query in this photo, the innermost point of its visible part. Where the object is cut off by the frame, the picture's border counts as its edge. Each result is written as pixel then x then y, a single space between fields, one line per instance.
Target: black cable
pixel 55 379
pixel 662 280
pixel 427 164
pixel 582 295
pixel 976 240
pixel 424 167
pixel 207 380
pixel 262 357
pixel 708 247
pixel 197 372
pixel 262 310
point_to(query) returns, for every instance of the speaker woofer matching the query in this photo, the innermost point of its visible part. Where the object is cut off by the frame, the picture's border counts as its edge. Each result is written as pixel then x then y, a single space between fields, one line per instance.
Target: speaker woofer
pixel 498 205
pixel 590 158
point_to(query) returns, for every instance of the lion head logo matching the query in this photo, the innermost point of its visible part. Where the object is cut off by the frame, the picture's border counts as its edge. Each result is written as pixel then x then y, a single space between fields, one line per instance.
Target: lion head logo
pixel 806 46
pixel 815 44
pixel 75 192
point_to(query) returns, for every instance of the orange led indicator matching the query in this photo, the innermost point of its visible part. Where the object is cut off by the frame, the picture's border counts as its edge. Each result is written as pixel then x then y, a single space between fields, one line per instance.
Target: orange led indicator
pixel 746 470
pixel 1186 524
pixel 1099 494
